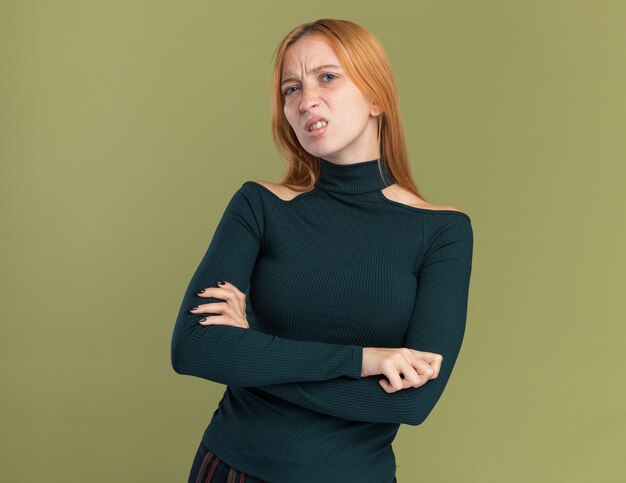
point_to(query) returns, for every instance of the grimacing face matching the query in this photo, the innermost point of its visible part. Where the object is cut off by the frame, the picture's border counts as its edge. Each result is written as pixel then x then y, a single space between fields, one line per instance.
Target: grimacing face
pixel 314 86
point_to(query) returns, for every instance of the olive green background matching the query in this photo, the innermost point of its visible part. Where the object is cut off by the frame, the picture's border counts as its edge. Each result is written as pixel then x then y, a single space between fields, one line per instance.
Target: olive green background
pixel 125 127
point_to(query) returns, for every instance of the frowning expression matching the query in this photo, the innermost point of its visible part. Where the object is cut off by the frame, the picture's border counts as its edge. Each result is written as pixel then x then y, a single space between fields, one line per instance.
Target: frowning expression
pixel 328 113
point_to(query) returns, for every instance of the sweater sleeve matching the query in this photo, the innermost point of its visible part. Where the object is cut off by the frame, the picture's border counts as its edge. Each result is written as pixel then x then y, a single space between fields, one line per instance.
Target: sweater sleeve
pixel 235 355
pixel 437 325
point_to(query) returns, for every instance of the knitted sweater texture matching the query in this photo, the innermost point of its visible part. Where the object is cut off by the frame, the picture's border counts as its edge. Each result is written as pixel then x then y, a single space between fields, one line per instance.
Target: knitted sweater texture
pixel 327 273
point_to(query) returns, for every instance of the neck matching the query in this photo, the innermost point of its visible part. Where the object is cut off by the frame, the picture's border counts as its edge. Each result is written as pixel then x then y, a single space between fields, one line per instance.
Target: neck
pixel 354 178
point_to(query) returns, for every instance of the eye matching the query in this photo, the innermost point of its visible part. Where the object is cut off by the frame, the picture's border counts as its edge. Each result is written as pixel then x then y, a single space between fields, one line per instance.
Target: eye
pixel 287 91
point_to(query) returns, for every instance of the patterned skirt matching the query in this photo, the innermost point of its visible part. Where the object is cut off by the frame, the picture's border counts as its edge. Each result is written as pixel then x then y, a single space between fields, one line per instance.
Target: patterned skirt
pixel 208 468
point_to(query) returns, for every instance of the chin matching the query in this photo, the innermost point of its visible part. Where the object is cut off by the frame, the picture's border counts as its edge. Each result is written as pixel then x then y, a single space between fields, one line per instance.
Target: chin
pixel 314 151
pixel 321 152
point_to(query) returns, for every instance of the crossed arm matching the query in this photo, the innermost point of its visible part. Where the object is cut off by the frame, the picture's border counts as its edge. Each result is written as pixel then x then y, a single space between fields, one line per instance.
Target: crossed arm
pixel 437 325
pixel 247 357
pixel 320 376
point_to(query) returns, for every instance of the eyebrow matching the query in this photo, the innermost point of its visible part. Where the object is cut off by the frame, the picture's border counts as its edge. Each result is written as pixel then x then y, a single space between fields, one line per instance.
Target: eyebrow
pixel 317 69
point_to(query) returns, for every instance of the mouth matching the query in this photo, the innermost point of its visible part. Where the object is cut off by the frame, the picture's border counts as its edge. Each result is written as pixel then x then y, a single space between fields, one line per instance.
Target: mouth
pixel 315 125
pixel 317 128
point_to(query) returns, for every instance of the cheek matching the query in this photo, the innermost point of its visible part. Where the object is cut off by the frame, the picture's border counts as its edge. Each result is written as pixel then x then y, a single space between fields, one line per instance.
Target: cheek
pixel 357 110
pixel 289 114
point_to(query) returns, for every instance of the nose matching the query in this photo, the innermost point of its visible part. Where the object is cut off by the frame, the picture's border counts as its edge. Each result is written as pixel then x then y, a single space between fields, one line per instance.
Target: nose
pixel 309 99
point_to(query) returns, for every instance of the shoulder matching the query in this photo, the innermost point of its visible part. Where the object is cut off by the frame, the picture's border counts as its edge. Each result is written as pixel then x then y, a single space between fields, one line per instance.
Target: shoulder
pixel 281 191
pixel 401 195
pixel 251 197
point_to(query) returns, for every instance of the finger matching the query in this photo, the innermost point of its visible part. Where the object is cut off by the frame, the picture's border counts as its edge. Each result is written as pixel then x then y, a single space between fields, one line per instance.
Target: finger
pixel 238 293
pixel 395 381
pixel 232 294
pixel 229 286
pixel 412 378
pixel 213 308
pixel 213 320
pixel 221 320
pixel 385 385
pixel 232 298
pixel 436 365
pixel 432 358
pixel 423 367
pixel 428 356
pixel 225 294
pixel 390 389
pixel 216 292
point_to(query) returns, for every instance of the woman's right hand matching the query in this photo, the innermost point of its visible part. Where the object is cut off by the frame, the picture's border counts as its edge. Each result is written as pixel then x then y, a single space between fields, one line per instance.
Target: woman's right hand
pixel 418 367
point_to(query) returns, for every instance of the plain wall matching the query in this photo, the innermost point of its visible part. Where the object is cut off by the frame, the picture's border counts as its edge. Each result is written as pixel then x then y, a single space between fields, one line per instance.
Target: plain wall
pixel 125 127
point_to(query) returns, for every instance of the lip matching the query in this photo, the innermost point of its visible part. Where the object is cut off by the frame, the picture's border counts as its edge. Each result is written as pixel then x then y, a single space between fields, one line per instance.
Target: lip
pixel 317 132
pixel 313 120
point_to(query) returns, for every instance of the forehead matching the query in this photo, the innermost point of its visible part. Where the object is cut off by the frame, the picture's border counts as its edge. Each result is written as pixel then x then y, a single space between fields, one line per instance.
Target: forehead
pixel 307 53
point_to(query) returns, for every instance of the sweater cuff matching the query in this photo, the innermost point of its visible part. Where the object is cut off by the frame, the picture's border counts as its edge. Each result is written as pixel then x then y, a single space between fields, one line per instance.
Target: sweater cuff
pixel 357 362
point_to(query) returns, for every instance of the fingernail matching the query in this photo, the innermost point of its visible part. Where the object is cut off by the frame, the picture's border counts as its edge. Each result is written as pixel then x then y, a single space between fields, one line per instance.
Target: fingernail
pixel 193 308
pixel 220 282
pixel 202 319
pixel 201 291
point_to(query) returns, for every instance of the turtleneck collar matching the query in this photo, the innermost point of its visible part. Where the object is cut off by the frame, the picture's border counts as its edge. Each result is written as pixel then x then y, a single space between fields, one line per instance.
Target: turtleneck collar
pixel 354 178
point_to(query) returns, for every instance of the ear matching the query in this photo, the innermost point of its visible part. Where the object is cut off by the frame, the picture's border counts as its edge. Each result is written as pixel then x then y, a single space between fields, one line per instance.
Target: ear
pixel 375 109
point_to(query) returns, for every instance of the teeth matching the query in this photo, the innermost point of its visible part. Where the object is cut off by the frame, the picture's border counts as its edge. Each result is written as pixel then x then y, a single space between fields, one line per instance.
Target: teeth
pixel 317 125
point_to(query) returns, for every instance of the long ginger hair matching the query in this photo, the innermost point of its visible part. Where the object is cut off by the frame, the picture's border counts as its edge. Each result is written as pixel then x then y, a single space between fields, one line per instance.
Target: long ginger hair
pixel 367 65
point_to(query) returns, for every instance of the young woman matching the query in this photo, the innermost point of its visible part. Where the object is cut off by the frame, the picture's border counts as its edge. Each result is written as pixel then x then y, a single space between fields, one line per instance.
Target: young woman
pixel 332 304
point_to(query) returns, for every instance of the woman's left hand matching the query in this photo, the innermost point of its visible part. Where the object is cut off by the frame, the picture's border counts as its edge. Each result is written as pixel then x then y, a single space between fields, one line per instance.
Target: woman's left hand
pixel 231 312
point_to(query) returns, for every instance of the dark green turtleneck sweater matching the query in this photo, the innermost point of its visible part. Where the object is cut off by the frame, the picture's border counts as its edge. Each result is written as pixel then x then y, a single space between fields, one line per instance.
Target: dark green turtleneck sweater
pixel 325 274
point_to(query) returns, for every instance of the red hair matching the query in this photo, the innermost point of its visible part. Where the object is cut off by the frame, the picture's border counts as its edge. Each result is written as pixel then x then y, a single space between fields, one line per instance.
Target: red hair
pixel 367 65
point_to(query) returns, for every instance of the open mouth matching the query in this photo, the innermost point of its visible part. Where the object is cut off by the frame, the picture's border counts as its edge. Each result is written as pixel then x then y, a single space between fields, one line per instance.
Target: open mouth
pixel 317 128
pixel 317 125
